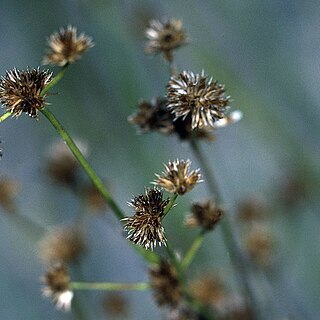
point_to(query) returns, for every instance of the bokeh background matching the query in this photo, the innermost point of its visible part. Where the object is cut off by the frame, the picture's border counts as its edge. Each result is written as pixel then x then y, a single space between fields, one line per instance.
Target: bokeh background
pixel 266 52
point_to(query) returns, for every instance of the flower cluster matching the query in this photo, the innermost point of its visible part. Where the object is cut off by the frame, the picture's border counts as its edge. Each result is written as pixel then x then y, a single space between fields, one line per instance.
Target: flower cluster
pixel 21 91
pixel 145 228
pixel 65 47
pixel 176 178
pixel 164 37
pixel 57 287
pixel 195 94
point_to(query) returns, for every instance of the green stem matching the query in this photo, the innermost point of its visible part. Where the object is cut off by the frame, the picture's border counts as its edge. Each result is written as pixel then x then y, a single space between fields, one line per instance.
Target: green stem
pixel 55 80
pixel 84 163
pixel 169 205
pixel 238 260
pixel 5 116
pixel 109 286
pixel 196 244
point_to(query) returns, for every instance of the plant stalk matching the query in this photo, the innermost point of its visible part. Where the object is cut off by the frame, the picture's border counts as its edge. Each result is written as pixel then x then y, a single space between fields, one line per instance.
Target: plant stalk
pixel 140 286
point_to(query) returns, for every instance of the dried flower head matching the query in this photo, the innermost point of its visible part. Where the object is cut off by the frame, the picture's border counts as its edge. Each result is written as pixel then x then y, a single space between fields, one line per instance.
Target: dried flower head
pixel 209 290
pixel 165 284
pixel 61 165
pixel 66 47
pixel 61 245
pixel 205 214
pixel 57 282
pixel 164 37
pixel 145 228
pixel 155 116
pixel 8 190
pixel 194 94
pixel 115 304
pixel 176 178
pixel 260 245
pixel 20 90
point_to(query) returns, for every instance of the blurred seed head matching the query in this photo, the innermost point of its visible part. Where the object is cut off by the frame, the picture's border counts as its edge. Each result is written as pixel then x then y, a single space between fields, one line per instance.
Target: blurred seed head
pixel 145 228
pixel 61 165
pixel 20 91
pixel 155 116
pixel 177 177
pixel 115 304
pixel 251 210
pixel 164 37
pixel 209 290
pixel 56 282
pixel 165 284
pixel 65 47
pixel 195 94
pixel 62 245
pixel 8 191
pixel 205 214
pixel 260 245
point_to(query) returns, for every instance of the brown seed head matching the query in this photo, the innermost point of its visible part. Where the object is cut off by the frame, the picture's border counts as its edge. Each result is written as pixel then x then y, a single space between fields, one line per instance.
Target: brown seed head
pixel 57 282
pixel 164 37
pixel 65 47
pixel 209 290
pixel 62 245
pixel 20 91
pixel 194 94
pixel 251 210
pixel 8 190
pixel 145 228
pixel 155 116
pixel 176 178
pixel 165 284
pixel 205 214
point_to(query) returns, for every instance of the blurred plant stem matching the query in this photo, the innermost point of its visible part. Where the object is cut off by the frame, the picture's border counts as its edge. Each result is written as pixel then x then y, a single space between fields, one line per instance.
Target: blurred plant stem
pixel 84 163
pixel 241 266
pixel 5 116
pixel 109 286
pixel 195 246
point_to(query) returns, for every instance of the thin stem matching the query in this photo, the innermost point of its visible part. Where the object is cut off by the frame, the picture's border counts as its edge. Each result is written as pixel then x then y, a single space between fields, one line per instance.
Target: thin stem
pixel 237 259
pixel 147 255
pixel 55 80
pixel 195 246
pixel 5 116
pixel 169 205
pixel 84 163
pixel 140 286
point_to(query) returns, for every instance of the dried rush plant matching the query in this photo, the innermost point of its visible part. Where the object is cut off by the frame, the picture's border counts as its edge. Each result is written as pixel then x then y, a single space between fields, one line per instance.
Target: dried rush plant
pixel 194 107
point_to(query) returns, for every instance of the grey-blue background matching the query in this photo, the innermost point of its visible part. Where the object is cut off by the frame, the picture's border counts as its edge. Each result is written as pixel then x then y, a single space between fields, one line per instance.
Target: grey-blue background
pixel 267 53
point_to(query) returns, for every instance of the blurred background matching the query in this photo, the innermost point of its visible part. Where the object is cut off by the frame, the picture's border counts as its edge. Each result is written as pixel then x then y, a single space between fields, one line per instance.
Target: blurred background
pixel 266 52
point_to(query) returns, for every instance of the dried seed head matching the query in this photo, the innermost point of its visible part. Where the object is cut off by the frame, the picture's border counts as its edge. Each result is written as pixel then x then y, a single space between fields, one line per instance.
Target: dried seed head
pixel 209 290
pixel 8 190
pixel 176 178
pixel 57 282
pixel 205 214
pixel 145 228
pixel 62 245
pixel 164 37
pixel 115 304
pixel 155 116
pixel 165 284
pixel 260 245
pixel 66 47
pixel 194 94
pixel 20 91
